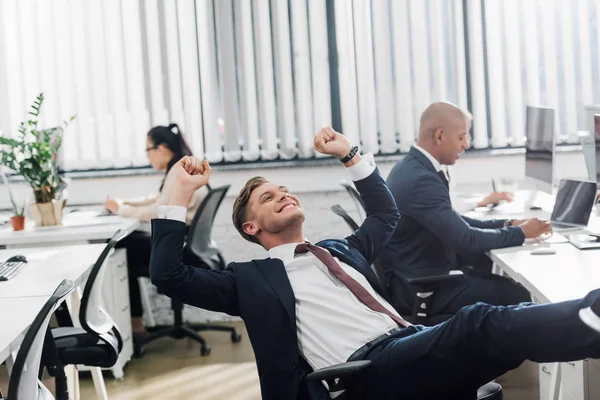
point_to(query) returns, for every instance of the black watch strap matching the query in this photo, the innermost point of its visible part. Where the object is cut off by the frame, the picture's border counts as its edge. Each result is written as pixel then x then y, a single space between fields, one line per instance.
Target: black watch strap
pixel 510 222
pixel 350 155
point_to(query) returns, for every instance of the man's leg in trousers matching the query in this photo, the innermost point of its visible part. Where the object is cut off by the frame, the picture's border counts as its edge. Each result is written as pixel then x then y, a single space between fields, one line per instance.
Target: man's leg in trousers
pixel 485 288
pixel 480 343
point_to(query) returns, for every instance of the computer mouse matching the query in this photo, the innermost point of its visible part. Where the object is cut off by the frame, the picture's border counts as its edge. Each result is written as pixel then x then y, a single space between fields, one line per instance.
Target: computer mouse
pixel 17 258
pixel 543 250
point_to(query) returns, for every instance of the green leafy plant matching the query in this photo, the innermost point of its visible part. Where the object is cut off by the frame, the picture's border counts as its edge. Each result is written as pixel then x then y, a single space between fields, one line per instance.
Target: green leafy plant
pixel 33 153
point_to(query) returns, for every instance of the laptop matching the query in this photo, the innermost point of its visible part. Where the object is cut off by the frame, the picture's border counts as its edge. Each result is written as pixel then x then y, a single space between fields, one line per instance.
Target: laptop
pixel 573 205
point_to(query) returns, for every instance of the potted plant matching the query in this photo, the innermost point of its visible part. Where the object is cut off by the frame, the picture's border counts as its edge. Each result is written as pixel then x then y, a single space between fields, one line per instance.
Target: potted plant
pixel 17 220
pixel 33 154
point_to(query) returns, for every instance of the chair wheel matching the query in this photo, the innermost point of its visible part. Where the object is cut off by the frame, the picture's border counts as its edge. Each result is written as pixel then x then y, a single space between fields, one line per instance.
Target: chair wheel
pixel 204 350
pixel 236 337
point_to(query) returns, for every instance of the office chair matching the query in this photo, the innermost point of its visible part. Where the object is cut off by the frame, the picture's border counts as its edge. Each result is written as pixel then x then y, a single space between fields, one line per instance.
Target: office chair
pixel 24 383
pixel 97 342
pixel 358 202
pixel 342 378
pixel 425 286
pixel 199 251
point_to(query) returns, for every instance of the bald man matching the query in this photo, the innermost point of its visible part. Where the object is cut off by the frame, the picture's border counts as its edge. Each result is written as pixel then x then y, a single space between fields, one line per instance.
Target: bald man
pixel 432 238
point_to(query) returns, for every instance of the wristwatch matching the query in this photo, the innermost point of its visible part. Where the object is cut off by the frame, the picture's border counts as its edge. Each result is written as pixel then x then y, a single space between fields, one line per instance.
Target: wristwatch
pixel 509 222
pixel 350 155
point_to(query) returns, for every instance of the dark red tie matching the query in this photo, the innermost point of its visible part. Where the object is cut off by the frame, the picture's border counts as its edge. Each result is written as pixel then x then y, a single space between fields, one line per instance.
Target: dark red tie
pixel 356 288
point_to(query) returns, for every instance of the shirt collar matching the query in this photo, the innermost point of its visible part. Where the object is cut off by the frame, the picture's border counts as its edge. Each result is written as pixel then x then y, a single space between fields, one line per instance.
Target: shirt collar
pixel 285 252
pixel 436 164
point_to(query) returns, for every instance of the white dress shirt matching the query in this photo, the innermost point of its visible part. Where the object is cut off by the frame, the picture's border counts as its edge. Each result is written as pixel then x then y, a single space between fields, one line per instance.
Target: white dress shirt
pixel 331 322
pixel 436 164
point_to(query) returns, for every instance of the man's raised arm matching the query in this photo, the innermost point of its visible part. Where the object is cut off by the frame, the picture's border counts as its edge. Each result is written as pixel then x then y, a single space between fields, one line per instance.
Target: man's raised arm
pixel 382 213
pixel 211 290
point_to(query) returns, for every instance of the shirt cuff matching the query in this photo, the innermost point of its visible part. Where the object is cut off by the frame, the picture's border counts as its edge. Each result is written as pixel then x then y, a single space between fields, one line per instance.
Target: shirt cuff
pixel 176 213
pixel 363 168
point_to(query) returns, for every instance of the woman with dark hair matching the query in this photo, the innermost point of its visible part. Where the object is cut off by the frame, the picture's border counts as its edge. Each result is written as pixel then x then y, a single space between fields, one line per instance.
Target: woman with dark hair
pixel 165 145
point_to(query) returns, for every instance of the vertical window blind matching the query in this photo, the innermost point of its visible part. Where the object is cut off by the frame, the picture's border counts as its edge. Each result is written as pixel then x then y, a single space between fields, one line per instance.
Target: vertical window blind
pixel 250 80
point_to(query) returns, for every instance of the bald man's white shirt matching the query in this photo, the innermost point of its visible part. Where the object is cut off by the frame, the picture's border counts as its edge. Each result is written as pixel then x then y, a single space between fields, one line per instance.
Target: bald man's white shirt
pixel 436 163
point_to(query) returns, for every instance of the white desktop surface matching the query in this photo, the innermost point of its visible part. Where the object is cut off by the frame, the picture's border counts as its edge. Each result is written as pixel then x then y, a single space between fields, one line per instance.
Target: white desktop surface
pixel 569 274
pixel 16 314
pixel 78 227
pixel 47 267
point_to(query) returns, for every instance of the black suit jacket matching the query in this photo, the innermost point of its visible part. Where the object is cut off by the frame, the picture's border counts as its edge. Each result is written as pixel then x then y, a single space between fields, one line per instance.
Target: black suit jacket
pixel 431 232
pixel 259 291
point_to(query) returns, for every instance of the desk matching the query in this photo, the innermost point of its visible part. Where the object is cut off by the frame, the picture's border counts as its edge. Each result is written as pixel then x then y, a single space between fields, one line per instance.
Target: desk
pixel 569 274
pixel 79 227
pixel 47 267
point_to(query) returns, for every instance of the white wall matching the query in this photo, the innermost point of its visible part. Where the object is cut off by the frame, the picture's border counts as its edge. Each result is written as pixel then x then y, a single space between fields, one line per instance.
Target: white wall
pixel 472 170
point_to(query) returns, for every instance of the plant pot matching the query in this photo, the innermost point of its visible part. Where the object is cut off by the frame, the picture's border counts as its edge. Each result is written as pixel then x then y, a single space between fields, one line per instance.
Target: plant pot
pixel 18 222
pixel 47 214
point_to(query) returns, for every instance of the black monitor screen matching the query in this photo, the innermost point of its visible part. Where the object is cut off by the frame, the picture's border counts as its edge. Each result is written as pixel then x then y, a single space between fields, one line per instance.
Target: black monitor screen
pixel 540 143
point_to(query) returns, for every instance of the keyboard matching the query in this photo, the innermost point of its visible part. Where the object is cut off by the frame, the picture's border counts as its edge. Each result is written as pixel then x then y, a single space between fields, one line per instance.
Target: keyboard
pixel 9 269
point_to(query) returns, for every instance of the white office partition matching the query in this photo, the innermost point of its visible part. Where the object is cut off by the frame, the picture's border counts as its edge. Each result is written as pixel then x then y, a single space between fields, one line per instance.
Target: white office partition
pixel 247 79
pixel 477 70
pixel 583 44
pixel 549 39
pixel 122 122
pixel 174 85
pixel 265 79
pixel 135 86
pixel 386 104
pixel 14 73
pixel 347 75
pixel 84 124
pixel 189 70
pixel 407 121
pixel 29 50
pixel 421 63
pixel 302 78
pixel 207 55
pixel 515 126
pixel 283 79
pixel 45 38
pixel 458 45
pixel 6 124
pixel 569 88
pixel 319 61
pixel 227 76
pixel 438 48
pixel 159 113
pixel 493 15
pixel 365 76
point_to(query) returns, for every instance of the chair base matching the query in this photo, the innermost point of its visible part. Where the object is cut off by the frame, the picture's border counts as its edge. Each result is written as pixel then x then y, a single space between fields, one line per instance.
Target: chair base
pixel 185 331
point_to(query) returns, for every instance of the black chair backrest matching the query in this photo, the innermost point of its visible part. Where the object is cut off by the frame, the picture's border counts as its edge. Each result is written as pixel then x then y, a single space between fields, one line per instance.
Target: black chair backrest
pixel 92 315
pixel 339 210
pixel 377 268
pixel 24 383
pixel 199 235
pixel 358 202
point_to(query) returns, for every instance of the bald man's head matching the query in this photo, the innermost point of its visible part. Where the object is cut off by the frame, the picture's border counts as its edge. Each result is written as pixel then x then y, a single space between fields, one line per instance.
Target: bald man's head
pixel 443 131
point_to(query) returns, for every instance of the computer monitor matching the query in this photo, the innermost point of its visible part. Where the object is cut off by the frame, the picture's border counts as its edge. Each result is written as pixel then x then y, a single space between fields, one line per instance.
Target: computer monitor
pixel 592 125
pixel 539 149
pixel 597 137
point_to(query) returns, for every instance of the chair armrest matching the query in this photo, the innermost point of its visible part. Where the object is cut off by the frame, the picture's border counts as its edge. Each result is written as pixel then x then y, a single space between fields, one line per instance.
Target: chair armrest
pixel 339 370
pixel 453 275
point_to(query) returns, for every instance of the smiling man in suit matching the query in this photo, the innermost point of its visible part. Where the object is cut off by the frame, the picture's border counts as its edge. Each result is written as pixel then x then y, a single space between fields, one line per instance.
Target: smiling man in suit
pixel 432 238
pixel 312 306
